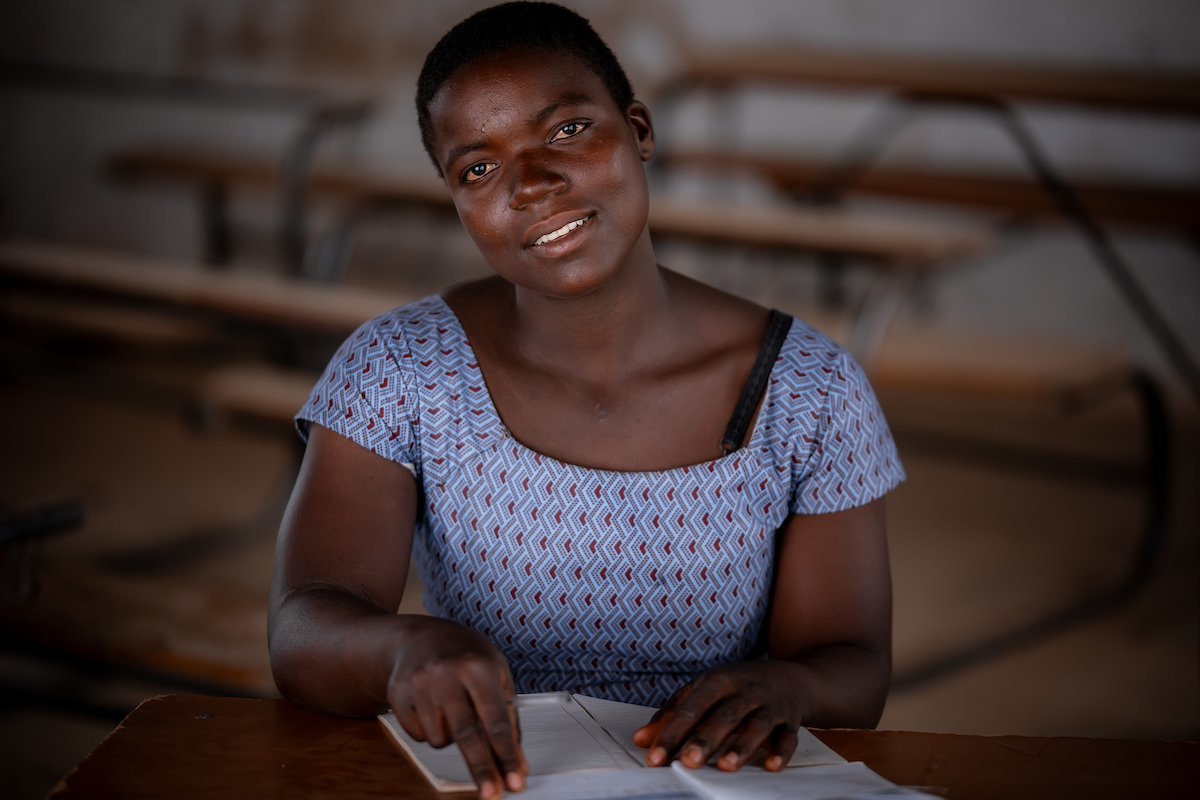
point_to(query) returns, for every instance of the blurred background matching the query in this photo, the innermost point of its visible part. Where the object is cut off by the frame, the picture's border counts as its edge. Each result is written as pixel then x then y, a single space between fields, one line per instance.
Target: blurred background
pixel 994 205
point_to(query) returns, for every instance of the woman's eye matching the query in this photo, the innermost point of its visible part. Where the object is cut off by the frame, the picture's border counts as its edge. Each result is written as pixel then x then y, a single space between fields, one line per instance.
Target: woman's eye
pixel 569 130
pixel 477 171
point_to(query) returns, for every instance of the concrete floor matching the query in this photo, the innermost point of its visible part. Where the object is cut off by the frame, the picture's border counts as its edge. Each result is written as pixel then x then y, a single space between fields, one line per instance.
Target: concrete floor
pixel 975 549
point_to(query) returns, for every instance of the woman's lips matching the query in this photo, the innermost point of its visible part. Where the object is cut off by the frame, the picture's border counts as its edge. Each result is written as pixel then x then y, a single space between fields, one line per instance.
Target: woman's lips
pixel 558 234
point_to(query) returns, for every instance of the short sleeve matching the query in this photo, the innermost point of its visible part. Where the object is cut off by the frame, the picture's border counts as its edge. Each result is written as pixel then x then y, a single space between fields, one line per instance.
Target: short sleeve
pixel 853 460
pixel 365 394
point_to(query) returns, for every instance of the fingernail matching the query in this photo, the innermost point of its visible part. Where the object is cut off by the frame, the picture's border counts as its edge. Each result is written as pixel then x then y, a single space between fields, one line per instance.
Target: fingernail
pixel 775 763
pixel 729 761
pixel 486 789
pixel 515 782
pixel 694 756
pixel 658 756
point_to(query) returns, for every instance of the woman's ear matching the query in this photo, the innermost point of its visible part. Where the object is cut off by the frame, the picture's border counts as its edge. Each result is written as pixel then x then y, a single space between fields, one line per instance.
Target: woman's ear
pixel 642 127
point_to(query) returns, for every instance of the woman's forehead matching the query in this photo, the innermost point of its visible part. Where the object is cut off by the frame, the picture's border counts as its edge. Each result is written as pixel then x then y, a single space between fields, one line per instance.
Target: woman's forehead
pixel 513 86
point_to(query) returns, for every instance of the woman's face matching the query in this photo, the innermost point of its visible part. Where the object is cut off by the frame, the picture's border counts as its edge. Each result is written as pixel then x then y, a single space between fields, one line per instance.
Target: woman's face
pixel 545 170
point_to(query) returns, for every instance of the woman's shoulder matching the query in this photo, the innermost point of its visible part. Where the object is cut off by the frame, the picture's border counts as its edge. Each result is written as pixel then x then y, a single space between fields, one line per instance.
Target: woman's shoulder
pixel 423 330
pixel 813 373
pixel 420 317
pixel 806 343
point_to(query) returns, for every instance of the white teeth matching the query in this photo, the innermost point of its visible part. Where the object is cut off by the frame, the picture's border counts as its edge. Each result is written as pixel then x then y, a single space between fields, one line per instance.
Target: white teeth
pixel 561 232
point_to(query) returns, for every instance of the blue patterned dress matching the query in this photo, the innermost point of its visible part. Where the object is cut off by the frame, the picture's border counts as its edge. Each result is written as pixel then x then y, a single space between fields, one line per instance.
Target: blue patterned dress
pixel 623 585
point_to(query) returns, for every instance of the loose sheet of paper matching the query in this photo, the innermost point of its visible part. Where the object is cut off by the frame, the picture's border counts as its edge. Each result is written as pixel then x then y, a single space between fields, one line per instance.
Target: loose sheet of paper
pixel 556 736
pixel 622 719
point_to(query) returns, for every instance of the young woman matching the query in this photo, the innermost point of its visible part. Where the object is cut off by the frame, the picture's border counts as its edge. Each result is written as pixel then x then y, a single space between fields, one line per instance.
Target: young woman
pixel 617 481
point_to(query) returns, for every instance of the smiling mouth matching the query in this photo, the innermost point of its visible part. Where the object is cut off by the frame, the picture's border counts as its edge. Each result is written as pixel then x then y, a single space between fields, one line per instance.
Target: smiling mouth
pixel 563 231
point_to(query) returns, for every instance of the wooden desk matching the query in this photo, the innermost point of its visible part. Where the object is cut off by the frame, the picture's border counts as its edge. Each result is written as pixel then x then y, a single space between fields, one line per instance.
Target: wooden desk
pixel 190 746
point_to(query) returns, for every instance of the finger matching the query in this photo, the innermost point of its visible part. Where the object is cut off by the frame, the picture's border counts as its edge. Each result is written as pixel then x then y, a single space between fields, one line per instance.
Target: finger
pixel 433 723
pixel 784 747
pixel 755 729
pixel 723 748
pixel 516 781
pixel 498 719
pixel 645 735
pixel 683 719
pixel 722 721
pixel 407 716
pixel 465 727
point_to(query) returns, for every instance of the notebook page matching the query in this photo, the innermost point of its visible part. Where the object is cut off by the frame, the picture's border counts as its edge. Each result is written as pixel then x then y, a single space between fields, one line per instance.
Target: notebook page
pixel 847 781
pixel 604 734
pixel 553 738
pixel 631 784
pixel 622 719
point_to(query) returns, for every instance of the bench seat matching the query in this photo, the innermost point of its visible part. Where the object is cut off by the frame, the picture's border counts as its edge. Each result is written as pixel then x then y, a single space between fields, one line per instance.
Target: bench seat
pixel 1139 205
pixel 260 298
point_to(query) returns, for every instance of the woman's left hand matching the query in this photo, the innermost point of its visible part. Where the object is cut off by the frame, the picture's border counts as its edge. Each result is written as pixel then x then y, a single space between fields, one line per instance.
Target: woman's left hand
pixel 730 713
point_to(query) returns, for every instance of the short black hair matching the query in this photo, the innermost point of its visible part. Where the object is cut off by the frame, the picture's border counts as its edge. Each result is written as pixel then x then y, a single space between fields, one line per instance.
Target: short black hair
pixel 541 26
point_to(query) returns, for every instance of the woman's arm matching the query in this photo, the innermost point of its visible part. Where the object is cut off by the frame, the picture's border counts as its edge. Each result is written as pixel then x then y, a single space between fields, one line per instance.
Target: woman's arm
pixel 337 644
pixel 829 648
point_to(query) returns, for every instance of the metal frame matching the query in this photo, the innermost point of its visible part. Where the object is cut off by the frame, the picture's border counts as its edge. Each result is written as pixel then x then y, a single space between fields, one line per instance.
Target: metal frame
pixel 23 535
pixel 1097 604
pixel 296 164
pixel 899 110
pixel 864 149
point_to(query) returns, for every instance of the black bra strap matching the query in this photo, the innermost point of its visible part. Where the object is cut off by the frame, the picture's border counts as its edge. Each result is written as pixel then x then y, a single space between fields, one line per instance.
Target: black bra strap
pixel 777 331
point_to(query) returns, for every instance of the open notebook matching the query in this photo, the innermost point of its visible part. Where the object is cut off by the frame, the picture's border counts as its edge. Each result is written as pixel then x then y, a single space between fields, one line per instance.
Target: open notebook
pixel 564 733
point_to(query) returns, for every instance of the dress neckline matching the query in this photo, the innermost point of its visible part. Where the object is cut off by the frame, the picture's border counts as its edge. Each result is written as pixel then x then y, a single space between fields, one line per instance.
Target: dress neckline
pixel 489 407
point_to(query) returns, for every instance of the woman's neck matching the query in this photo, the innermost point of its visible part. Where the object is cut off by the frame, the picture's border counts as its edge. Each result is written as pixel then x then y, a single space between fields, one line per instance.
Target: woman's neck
pixel 619 328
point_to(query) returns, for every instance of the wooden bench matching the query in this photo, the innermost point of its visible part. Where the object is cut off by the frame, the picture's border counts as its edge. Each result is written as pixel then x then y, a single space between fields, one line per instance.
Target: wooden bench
pixel 1140 205
pixel 173 628
pixel 255 392
pixel 791 229
pixel 258 298
pixel 62 285
pixel 912 83
pixel 1158 91
pixel 161 626
pixel 914 357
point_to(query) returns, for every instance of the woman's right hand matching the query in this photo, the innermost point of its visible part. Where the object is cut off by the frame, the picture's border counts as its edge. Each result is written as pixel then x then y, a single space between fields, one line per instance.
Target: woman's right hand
pixel 337 643
pixel 451 684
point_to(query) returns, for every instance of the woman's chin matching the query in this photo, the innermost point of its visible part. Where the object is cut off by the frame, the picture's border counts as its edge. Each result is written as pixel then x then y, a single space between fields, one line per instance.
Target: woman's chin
pixel 565 283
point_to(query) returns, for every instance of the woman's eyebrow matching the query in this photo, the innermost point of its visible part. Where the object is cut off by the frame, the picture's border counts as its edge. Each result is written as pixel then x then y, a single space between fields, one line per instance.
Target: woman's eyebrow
pixel 562 101
pixel 459 152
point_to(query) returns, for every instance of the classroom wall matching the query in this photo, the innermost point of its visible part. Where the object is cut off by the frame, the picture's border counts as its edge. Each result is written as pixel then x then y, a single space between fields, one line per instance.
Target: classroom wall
pixel 52 141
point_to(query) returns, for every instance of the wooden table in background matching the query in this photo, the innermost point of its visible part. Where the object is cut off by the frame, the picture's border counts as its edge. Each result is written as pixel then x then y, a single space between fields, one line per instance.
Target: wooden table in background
pixel 187 746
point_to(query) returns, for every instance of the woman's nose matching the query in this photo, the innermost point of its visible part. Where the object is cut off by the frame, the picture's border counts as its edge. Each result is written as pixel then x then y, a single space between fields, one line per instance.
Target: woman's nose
pixel 534 180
